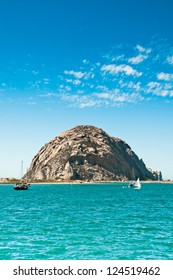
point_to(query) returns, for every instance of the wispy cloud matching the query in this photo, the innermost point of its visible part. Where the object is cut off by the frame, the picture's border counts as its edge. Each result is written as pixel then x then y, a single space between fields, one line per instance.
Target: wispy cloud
pixel 160 89
pixel 119 98
pixel 77 100
pixel 142 55
pixel 121 76
pixel 143 50
pixel 46 81
pixel 74 82
pixel 48 94
pixel 3 84
pixel 109 84
pixel 77 75
pixel 109 99
pixel 122 68
pixel 118 58
pixel 137 59
pixel 165 76
pixel 170 59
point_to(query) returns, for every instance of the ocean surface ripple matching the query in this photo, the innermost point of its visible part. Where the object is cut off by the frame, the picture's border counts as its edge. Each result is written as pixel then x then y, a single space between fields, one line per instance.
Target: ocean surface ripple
pixel 93 221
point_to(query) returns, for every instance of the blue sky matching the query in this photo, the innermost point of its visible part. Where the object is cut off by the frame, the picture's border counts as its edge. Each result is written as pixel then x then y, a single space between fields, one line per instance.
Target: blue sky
pixel 106 63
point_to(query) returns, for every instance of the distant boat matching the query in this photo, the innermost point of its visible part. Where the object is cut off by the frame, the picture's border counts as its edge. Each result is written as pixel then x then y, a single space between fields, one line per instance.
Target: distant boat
pixel 21 185
pixel 135 185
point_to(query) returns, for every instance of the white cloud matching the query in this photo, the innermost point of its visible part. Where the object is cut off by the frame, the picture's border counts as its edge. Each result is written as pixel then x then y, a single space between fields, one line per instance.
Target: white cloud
pixel 85 61
pixel 89 75
pixel 69 80
pixel 111 98
pixel 142 49
pixel 165 76
pixel 68 88
pixel 46 81
pixel 48 95
pixel 160 89
pixel 118 58
pixel 137 59
pixel 170 59
pixel 97 64
pixel 80 92
pixel 35 72
pixel 80 101
pixel 103 88
pixel 104 95
pixel 143 54
pixel 77 75
pixel 121 81
pixel 122 68
pixel 89 103
pixel 74 82
pixel 32 103
pixel 116 97
pixel 130 86
pixel 153 85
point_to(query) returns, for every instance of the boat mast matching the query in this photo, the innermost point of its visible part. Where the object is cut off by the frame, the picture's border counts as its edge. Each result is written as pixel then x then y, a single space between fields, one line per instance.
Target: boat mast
pixel 133 174
pixel 21 169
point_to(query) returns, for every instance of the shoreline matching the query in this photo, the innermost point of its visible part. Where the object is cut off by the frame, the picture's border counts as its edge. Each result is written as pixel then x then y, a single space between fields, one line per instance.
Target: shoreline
pixel 85 182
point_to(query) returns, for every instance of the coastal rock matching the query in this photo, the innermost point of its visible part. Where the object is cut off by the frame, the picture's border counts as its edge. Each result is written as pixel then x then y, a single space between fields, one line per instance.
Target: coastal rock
pixel 156 174
pixel 87 153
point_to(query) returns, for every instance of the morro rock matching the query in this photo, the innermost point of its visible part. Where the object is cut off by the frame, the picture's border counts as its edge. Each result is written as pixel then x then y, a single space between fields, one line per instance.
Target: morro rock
pixel 90 154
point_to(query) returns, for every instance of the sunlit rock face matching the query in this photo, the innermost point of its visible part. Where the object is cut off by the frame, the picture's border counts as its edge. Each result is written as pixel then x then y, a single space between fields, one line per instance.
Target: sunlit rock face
pixel 87 153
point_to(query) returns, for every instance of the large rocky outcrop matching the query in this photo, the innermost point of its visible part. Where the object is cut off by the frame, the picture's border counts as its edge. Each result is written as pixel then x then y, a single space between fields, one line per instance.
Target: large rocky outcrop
pixel 87 153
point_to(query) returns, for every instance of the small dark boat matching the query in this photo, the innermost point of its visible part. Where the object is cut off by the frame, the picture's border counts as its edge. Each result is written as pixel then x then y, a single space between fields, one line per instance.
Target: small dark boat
pixel 21 186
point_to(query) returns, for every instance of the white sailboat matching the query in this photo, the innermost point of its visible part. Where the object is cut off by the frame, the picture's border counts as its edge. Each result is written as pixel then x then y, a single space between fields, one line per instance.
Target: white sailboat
pixel 135 185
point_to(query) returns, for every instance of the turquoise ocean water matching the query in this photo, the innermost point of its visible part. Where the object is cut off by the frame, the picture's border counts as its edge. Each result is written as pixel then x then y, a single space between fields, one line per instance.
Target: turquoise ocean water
pixel 98 221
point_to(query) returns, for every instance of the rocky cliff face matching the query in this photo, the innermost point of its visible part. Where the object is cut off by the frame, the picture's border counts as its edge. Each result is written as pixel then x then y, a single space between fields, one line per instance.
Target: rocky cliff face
pixel 87 153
